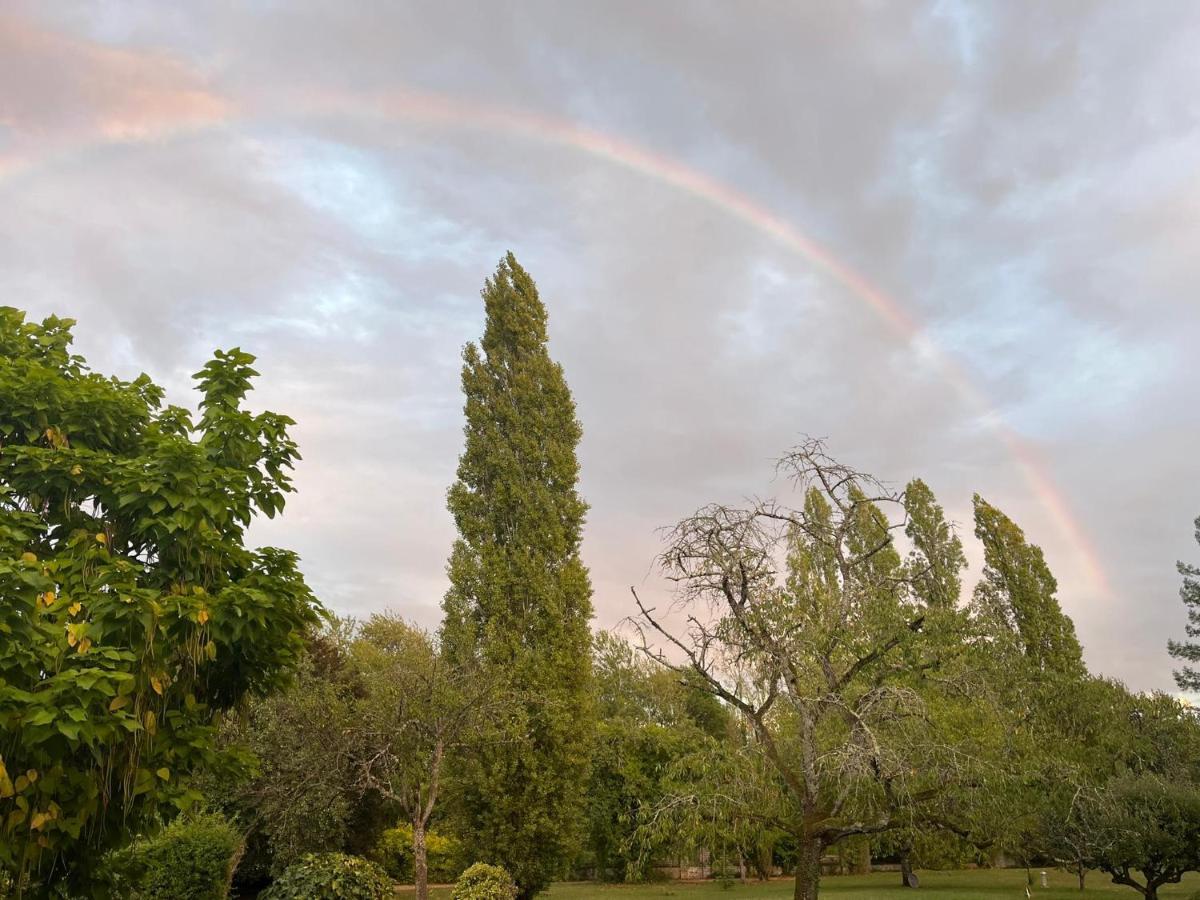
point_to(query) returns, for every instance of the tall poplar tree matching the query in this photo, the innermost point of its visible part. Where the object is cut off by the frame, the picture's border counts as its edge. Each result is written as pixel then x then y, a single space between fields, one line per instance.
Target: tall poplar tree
pixel 1018 592
pixel 520 598
pixel 1188 678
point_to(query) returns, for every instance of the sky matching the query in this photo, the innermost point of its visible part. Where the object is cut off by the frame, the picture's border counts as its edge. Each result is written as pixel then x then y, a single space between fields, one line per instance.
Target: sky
pixel 956 240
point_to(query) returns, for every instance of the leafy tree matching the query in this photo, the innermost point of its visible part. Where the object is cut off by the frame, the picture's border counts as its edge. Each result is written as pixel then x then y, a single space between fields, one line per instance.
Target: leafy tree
pixel 842 658
pixel 1188 678
pixel 415 706
pixel 303 795
pixel 649 719
pixel 1017 592
pixel 133 610
pixel 520 598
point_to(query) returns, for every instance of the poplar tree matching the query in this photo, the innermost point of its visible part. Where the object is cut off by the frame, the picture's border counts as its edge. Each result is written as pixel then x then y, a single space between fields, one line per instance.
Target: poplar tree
pixel 1018 593
pixel 520 598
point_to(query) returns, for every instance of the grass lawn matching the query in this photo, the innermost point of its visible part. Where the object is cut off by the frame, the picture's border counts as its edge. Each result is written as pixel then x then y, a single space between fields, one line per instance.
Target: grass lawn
pixel 984 884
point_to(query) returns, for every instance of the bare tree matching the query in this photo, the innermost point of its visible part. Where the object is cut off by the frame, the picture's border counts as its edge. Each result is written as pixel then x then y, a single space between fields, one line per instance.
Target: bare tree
pixel 416 707
pixel 841 655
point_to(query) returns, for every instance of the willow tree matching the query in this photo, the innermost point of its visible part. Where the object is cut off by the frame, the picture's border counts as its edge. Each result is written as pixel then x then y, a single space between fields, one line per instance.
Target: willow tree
pixel 843 657
pixel 520 598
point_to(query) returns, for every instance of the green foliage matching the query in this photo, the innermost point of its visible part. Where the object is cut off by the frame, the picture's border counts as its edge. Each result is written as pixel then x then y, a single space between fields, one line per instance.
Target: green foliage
pixel 331 876
pixel 191 859
pixel 394 852
pixel 133 611
pixel 1017 594
pixel 520 598
pixel 484 882
pixel 303 792
pixel 1188 677
pixel 648 720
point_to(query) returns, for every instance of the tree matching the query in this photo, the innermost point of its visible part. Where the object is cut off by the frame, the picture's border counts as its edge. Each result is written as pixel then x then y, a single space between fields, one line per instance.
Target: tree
pixel 520 599
pixel 1017 592
pixel 416 707
pixel 1188 678
pixel 649 719
pixel 842 658
pixel 133 610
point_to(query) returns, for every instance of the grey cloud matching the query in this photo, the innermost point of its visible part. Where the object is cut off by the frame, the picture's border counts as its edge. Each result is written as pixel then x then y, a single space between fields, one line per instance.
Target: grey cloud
pixel 1018 176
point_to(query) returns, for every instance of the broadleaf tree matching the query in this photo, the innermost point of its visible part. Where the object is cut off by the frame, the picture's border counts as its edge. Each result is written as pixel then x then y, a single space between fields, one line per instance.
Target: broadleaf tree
pixel 132 610
pixel 844 660
pixel 520 598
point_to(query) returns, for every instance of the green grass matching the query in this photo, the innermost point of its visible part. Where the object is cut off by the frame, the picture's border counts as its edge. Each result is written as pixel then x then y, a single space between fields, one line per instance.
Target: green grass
pixel 984 884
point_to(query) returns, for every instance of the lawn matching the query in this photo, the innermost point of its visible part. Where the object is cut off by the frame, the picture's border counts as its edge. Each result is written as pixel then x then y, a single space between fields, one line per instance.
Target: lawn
pixel 984 884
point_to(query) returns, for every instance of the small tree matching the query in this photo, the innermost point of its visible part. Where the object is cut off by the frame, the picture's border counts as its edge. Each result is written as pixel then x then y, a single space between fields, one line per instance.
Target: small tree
pixel 841 656
pixel 133 610
pixel 416 706
pixel 1188 678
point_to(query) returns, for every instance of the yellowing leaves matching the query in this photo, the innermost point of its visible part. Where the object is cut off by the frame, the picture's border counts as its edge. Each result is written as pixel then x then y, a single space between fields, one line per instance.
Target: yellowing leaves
pixel 101 538
pixel 157 683
pixel 118 703
pixel 28 557
pixel 202 616
pixel 163 773
pixel 150 722
pixel 74 608
pixel 48 598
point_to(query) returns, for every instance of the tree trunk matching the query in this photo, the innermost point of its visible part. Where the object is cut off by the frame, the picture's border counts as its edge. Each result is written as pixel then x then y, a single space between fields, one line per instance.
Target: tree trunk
pixel 863 866
pixel 1082 876
pixel 420 861
pixel 808 868
pixel 906 868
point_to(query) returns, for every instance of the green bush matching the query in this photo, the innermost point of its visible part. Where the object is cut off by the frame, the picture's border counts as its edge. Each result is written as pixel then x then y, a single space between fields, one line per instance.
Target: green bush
pixel 394 851
pixel 330 876
pixel 191 859
pixel 484 882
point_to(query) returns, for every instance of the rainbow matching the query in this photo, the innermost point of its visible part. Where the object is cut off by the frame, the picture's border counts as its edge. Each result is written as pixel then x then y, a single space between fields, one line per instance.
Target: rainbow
pixel 444 111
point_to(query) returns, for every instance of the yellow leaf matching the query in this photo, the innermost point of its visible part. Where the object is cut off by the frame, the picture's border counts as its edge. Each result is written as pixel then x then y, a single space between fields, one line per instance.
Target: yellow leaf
pixel 150 721
pixel 210 650
pixel 32 775
pixel 163 773
pixel 76 470
pixel 85 645
pixel 28 557
pixel 156 683
pixel 39 819
pixel 71 639
pixel 102 538
pixel 22 784
pixel 49 597
pixel 74 608
pixel 202 617
pixel 118 703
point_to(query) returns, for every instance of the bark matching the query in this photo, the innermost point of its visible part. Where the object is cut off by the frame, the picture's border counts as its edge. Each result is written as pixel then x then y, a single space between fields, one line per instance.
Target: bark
pixel 808 868
pixel 420 861
pixel 1082 876
pixel 863 866
pixel 906 868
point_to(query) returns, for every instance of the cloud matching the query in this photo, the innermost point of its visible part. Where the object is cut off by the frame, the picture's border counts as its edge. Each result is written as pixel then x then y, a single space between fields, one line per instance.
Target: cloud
pixel 1020 180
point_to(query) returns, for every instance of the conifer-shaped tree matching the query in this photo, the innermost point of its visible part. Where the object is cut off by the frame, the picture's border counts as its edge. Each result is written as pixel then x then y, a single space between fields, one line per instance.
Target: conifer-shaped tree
pixel 520 599
pixel 1188 678
pixel 1018 593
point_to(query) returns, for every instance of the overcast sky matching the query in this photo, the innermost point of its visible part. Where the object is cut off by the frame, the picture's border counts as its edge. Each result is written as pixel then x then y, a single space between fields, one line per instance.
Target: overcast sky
pixel 326 185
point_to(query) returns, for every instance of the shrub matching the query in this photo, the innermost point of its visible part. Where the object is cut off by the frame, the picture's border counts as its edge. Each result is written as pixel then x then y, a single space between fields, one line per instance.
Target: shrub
pixel 330 876
pixel 191 859
pixel 484 882
pixel 394 852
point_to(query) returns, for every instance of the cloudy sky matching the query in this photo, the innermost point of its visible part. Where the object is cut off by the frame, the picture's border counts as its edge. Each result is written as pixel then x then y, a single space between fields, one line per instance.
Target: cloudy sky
pixel 959 240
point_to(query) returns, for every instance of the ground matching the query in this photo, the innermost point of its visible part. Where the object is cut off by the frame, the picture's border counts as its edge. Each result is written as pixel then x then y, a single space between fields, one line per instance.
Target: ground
pixel 986 884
